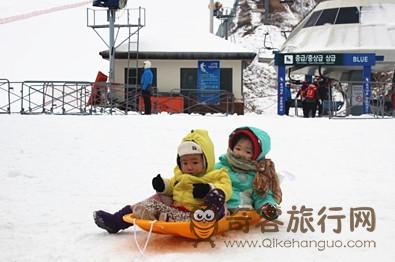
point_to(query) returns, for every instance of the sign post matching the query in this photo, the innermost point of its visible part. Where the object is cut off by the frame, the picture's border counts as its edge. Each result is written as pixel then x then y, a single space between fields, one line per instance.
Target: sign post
pixel 367 90
pixel 366 60
pixel 281 87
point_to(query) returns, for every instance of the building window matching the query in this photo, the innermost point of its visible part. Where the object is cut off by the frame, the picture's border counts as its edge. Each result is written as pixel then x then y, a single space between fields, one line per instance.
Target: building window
pixel 345 15
pixel 328 16
pixel 348 15
pixel 226 79
pixel 313 19
pixel 132 76
pixel 189 79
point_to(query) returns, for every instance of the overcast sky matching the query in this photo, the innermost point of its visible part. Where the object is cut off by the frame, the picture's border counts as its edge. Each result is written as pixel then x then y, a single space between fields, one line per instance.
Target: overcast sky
pixel 59 45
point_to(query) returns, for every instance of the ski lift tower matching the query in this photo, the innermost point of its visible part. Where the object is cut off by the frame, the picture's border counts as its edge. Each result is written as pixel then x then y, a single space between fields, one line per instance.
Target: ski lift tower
pixel 130 18
pixel 225 14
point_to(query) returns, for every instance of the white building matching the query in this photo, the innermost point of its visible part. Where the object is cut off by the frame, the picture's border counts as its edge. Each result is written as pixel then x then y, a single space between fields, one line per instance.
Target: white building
pixel 175 60
pixel 353 26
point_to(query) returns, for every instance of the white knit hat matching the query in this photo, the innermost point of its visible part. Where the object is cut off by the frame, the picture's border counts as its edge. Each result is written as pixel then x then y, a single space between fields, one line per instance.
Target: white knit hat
pixel 189 148
pixel 147 64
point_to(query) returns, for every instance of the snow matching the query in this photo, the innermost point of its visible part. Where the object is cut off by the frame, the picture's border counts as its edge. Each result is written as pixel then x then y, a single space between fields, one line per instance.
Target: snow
pixel 66 49
pixel 373 34
pixel 56 170
pixel 187 41
pixel 59 42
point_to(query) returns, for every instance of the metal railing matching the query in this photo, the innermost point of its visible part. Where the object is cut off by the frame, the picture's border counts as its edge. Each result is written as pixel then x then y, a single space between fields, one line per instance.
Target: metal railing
pixel 352 95
pixel 84 98
pixel 5 102
pixel 54 97
pixel 345 98
pixel 206 101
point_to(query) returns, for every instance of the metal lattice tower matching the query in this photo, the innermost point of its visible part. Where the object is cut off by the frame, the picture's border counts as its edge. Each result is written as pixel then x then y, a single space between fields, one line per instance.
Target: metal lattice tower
pixel 115 19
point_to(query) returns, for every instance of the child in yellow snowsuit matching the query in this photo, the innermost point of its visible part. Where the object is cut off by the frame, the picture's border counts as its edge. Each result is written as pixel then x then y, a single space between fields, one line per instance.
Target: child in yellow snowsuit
pixel 195 184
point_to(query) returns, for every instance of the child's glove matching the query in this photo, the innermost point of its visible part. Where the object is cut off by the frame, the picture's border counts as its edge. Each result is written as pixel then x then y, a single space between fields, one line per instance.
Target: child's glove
pixel 158 184
pixel 270 212
pixel 200 190
pixel 215 197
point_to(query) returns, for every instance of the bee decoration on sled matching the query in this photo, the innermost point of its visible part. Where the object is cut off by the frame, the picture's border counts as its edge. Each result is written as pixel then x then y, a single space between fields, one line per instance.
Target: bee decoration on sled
pixel 204 225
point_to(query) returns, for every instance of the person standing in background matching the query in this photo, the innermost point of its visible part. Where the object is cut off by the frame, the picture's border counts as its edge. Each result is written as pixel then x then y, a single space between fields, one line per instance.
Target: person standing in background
pixel 302 94
pixel 146 86
pixel 311 99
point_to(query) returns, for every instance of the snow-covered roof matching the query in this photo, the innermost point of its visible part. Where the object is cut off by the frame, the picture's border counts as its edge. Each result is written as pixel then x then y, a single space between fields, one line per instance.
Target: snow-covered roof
pixel 157 42
pixel 179 34
pixel 329 28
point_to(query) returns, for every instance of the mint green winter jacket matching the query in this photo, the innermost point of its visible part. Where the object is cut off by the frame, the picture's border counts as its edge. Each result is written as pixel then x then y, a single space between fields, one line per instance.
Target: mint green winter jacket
pixel 243 195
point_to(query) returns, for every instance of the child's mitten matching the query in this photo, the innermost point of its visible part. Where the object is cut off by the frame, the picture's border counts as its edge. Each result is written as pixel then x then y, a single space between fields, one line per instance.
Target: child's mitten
pixel 158 184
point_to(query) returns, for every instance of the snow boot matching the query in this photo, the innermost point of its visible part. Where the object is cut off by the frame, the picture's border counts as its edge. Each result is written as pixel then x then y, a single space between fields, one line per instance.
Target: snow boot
pixel 112 222
pixel 215 199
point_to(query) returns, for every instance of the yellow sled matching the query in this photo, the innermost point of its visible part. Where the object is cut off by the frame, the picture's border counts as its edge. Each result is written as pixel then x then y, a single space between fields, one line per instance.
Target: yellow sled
pixel 194 230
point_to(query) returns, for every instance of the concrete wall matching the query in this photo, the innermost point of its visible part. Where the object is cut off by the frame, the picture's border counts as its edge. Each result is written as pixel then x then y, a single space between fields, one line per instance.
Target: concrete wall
pixel 168 73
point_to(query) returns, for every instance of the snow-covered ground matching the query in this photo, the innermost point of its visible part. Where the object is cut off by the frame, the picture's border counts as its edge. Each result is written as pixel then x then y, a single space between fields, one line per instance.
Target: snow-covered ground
pixel 56 170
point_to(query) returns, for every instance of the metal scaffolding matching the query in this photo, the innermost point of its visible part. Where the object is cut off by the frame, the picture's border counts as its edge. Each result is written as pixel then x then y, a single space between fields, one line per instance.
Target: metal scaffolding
pixel 134 20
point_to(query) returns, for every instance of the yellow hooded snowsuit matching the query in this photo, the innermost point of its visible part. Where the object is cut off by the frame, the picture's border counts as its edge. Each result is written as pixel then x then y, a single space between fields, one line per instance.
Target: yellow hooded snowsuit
pixel 180 186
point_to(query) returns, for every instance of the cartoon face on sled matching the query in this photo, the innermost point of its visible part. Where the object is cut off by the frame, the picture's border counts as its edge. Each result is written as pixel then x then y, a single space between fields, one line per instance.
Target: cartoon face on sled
pixel 203 223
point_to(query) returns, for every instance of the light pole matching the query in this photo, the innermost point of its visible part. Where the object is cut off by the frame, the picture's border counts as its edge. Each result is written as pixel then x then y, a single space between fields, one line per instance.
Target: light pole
pixel 111 18
pixel 113 6
pixel 211 8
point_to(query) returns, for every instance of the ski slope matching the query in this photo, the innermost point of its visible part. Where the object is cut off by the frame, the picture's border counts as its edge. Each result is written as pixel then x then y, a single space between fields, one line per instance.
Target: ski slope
pixel 56 170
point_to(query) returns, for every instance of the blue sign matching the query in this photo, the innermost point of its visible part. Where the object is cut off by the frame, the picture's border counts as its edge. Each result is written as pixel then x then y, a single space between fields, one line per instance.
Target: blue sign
pixel 359 59
pixel 366 60
pixel 353 59
pixel 208 82
pixel 281 87
pixel 367 90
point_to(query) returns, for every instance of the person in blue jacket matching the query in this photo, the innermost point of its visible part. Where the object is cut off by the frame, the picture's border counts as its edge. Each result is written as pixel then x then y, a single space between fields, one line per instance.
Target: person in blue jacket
pixel 254 180
pixel 146 84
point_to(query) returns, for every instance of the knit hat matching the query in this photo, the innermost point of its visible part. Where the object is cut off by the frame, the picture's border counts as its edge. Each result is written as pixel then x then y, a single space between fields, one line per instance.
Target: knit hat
pixel 147 64
pixel 256 143
pixel 189 148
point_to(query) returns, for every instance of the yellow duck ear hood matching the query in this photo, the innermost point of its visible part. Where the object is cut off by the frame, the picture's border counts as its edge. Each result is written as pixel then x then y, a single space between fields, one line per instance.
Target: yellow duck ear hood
pixel 201 137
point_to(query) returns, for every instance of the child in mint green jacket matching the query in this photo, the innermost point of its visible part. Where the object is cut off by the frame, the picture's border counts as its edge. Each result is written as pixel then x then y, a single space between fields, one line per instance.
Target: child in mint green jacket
pixel 254 180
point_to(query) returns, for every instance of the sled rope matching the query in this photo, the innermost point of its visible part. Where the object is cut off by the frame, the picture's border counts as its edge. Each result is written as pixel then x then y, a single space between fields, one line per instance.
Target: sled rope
pixel 147 239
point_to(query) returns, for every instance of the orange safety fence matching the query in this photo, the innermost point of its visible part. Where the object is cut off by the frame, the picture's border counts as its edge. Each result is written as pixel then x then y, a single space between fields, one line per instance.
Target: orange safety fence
pixel 171 104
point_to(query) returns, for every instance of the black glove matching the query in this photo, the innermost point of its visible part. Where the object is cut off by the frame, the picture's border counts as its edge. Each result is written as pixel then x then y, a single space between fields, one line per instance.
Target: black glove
pixel 158 184
pixel 270 212
pixel 200 190
pixel 215 198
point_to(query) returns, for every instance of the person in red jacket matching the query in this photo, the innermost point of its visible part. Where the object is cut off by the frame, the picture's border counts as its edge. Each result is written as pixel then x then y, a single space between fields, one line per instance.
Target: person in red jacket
pixel 302 94
pixel 311 99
